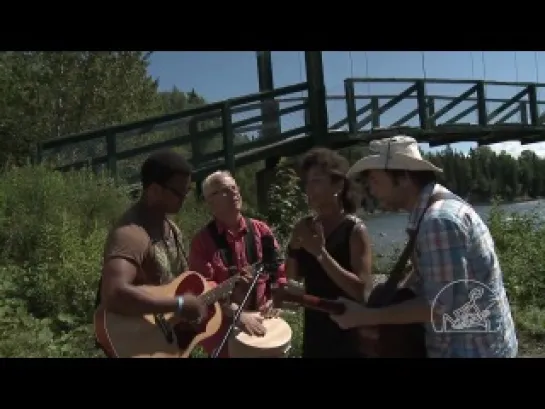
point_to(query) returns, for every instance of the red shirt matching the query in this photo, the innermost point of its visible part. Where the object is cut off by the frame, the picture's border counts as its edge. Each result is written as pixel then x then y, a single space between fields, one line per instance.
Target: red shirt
pixel 205 258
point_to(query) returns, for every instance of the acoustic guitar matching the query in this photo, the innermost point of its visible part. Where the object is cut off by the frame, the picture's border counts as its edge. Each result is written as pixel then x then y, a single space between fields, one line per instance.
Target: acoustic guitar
pixel 163 335
pixel 384 341
pixel 295 294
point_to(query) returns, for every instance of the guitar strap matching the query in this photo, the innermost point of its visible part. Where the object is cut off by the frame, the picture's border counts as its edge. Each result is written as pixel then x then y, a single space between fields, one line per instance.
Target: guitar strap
pixel 227 256
pixel 399 271
pixel 184 260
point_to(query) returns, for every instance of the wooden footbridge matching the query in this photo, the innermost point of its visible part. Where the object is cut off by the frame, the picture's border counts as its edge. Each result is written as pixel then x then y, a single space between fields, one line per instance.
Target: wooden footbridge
pixel 287 121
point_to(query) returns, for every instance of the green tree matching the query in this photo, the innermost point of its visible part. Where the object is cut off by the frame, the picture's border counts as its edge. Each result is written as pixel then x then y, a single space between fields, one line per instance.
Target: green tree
pixel 47 95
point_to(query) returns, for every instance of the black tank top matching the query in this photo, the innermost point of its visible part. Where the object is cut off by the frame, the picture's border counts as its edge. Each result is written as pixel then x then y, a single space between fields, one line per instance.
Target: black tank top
pixel 322 338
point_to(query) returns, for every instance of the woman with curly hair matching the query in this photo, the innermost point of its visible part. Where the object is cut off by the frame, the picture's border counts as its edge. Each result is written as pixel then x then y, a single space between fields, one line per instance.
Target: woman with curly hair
pixel 330 251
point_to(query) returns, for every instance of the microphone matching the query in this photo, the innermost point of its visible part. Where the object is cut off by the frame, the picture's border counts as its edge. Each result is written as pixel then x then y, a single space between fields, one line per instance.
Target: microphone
pixel 269 256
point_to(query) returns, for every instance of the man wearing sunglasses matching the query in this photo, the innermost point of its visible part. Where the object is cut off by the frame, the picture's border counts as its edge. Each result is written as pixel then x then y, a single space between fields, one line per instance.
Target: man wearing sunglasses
pixel 230 244
pixel 145 247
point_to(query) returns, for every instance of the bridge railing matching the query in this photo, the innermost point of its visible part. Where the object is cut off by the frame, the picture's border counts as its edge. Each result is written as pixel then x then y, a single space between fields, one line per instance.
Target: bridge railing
pixel 194 128
pixel 433 111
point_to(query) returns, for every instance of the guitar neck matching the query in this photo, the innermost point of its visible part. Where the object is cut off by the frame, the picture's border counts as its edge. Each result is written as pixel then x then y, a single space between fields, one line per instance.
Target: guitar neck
pixel 315 303
pixel 219 292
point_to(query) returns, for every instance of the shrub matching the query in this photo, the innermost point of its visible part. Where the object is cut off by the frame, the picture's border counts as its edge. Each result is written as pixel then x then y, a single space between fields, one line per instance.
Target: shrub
pixel 286 202
pixel 520 243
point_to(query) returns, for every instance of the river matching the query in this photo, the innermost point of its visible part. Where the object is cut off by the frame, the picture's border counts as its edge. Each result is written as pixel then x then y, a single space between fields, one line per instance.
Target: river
pixel 387 230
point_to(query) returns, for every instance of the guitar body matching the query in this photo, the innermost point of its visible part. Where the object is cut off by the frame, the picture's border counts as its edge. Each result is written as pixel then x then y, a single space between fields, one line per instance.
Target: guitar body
pixel 142 337
pixel 396 341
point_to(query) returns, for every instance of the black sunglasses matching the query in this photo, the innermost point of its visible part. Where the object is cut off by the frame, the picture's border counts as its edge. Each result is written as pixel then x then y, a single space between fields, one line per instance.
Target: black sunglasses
pixel 175 192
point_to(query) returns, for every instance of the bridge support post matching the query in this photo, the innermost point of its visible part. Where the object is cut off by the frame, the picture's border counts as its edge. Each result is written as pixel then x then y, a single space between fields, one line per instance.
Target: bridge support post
pixel 317 101
pixel 264 178
pixel 270 127
pixel 196 155
pixel 265 71
pixel 269 107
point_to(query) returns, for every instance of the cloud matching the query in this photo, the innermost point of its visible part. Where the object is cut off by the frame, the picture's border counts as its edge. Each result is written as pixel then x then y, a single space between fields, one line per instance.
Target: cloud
pixel 515 148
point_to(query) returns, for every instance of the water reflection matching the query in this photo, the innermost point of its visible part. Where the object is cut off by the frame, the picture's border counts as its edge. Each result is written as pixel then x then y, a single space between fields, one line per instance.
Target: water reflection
pixel 388 230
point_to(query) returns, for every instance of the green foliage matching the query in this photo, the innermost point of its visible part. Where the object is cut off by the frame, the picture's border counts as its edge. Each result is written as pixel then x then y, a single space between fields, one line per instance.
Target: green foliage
pixel 482 174
pixel 50 95
pixel 52 229
pixel 520 241
pixel 286 202
pixel 47 95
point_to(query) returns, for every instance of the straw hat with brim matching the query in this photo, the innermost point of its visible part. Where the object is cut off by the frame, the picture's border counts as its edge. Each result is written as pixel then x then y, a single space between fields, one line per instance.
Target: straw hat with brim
pixel 396 153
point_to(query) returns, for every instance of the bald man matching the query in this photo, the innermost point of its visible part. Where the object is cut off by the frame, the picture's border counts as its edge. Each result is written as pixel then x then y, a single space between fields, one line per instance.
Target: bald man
pixel 230 243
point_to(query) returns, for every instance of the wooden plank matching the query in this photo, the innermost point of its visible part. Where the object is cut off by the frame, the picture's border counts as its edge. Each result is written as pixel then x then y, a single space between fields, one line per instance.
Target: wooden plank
pixel 390 96
pixel 393 102
pixel 445 81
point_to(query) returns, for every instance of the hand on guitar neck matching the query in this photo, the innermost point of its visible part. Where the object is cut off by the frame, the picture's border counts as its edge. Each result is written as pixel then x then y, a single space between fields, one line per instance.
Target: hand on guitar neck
pixel 294 293
pixel 283 296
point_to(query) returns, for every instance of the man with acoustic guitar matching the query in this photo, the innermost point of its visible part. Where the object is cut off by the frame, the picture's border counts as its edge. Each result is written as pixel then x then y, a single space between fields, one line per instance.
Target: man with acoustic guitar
pixel 457 278
pixel 145 247
pixel 230 244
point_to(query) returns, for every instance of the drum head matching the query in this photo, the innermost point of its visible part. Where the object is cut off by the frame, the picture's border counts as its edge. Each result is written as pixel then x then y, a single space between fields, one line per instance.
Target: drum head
pixel 275 343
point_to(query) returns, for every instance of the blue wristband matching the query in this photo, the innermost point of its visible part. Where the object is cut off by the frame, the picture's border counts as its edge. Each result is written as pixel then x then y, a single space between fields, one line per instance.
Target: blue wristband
pixel 180 301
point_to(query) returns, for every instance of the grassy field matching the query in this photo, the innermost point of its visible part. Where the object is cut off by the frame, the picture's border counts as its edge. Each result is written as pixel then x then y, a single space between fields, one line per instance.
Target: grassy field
pixel 52 229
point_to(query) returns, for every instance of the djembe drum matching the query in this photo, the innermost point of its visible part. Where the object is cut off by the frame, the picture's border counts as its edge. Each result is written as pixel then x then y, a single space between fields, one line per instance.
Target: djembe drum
pixel 276 343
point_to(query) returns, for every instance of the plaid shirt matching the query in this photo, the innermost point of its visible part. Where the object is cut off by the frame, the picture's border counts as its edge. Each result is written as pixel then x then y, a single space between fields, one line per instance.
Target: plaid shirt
pixel 457 269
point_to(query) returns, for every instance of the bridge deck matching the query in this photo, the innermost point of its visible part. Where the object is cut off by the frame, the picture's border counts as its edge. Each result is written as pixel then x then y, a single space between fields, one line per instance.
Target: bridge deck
pixel 231 134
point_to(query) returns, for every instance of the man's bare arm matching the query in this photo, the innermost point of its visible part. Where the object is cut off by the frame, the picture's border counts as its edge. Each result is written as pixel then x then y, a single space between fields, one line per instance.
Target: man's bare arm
pixel 120 296
pixel 416 310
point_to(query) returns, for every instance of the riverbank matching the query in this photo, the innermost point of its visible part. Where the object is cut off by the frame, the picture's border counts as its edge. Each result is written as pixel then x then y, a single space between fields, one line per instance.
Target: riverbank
pixel 378 212
pixel 522 199
pixel 52 231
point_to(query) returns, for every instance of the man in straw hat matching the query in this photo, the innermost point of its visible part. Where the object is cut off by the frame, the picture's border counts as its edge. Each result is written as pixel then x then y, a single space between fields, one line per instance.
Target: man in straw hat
pixel 460 295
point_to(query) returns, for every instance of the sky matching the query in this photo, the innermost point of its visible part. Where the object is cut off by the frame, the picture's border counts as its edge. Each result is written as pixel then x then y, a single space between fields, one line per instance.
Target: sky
pixel 219 75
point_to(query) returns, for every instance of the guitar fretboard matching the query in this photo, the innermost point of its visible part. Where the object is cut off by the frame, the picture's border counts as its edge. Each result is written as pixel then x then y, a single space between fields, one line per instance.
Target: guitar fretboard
pixel 221 291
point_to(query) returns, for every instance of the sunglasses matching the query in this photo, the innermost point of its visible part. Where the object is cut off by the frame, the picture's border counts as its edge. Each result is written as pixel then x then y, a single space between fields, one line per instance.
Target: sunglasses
pixel 175 192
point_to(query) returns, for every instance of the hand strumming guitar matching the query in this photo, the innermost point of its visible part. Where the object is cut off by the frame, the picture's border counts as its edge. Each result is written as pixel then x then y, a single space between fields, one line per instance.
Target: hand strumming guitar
pixel 193 309
pixel 355 315
pixel 283 295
